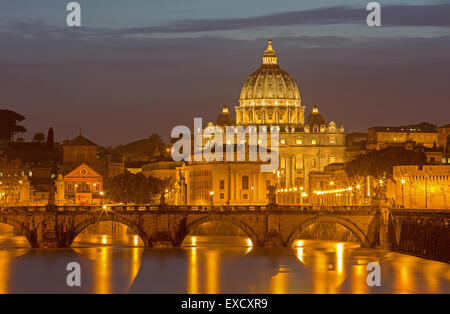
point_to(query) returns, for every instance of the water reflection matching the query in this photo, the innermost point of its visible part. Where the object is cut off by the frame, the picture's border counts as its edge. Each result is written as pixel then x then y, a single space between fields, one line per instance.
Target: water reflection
pixel 212 264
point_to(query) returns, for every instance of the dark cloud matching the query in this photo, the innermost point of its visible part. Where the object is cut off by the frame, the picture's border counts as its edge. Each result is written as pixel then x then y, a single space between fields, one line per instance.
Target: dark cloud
pixel 118 88
pixel 436 15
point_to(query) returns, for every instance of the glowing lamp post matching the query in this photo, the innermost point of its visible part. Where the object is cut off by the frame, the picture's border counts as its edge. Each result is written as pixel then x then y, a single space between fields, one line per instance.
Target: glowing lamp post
pixel 403 183
pixel 212 197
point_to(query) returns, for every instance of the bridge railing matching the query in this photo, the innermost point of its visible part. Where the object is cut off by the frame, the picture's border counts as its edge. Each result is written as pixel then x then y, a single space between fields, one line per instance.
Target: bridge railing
pixel 147 208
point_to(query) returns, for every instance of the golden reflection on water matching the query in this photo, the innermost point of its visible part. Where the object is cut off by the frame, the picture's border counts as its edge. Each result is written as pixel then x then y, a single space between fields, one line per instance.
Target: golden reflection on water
pixel 6 259
pixel 279 282
pixel 111 255
pixel 204 262
pixel 192 284
pixel 215 264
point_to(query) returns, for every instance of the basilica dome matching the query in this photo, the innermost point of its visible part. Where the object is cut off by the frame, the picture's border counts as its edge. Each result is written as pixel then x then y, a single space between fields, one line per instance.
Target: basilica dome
pixel 270 85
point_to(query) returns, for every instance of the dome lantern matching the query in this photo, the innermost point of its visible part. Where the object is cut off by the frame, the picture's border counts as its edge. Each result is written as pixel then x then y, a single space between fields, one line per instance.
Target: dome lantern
pixel 270 56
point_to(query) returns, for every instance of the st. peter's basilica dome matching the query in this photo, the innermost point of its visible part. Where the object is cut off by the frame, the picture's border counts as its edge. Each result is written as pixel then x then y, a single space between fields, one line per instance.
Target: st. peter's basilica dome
pixel 270 85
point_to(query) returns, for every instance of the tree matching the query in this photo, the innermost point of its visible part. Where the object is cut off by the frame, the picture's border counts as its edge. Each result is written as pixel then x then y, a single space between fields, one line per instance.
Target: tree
pixel 10 177
pixel 50 145
pixel 380 163
pixel 132 188
pixel 39 137
pixel 8 124
pixel 158 147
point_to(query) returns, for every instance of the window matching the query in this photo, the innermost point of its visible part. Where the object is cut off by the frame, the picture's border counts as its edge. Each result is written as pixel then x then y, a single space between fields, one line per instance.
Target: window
pixel 222 184
pixel 283 142
pixel 332 140
pixel 313 142
pixel 245 182
pixel 222 196
pixel 299 141
pixel 245 196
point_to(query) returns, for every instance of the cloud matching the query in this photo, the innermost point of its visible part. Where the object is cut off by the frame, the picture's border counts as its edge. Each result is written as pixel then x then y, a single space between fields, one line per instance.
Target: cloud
pixel 436 15
pixel 118 88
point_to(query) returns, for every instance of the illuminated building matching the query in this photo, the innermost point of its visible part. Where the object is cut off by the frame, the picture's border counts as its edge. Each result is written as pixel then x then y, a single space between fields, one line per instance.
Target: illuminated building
pixel 423 134
pixel 161 169
pixel 81 186
pixel 82 150
pixel 270 97
pixel 223 183
pixel 426 187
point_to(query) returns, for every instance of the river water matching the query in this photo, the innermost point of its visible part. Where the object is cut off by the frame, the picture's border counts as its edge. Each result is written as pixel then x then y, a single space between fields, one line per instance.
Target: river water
pixel 213 264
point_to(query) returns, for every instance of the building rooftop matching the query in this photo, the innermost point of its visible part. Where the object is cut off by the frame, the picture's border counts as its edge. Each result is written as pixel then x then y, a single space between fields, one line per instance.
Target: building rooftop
pixel 80 140
pixel 423 127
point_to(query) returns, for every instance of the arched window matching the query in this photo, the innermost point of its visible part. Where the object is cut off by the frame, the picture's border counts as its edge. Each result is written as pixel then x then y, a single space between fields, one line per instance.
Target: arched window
pixel 245 182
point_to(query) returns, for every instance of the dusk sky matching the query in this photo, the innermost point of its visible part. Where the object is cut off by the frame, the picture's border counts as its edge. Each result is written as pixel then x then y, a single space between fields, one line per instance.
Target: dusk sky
pixel 139 67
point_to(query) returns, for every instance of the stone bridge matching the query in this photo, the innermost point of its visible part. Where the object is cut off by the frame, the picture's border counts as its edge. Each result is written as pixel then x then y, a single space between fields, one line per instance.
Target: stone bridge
pixel 167 226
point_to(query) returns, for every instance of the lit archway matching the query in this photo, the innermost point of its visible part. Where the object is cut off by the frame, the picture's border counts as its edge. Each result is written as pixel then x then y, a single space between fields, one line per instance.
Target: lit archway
pixel 11 235
pixel 357 232
pixel 238 224
pixel 96 231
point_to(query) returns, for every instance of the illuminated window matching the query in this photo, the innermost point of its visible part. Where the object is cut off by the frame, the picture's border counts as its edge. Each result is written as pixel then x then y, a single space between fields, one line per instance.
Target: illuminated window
pixel 283 141
pixel 332 140
pixel 313 142
pixel 299 141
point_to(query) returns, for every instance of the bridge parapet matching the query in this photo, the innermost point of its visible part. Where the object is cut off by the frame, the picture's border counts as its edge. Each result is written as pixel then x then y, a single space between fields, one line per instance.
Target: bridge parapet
pixel 177 208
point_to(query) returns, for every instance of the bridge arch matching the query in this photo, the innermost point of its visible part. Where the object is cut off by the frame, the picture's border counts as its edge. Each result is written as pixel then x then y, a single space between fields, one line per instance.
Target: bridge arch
pixel 353 228
pixel 233 221
pixel 11 222
pixel 112 217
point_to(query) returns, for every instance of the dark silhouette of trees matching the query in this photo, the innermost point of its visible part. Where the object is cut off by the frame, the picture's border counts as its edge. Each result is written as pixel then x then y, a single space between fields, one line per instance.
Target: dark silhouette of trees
pixel 133 188
pixel 8 125
pixel 50 145
pixel 380 163
pixel 39 137
pixel 152 146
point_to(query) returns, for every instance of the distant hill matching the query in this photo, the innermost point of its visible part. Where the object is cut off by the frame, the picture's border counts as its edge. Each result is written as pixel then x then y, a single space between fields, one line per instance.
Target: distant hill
pixel 151 147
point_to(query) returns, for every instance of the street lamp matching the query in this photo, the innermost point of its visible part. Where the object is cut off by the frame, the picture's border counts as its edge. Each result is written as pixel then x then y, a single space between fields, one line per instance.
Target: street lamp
pixel 212 197
pixel 403 183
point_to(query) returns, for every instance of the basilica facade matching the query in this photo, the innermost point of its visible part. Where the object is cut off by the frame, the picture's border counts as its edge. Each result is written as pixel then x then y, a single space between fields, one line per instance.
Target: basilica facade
pixel 270 97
